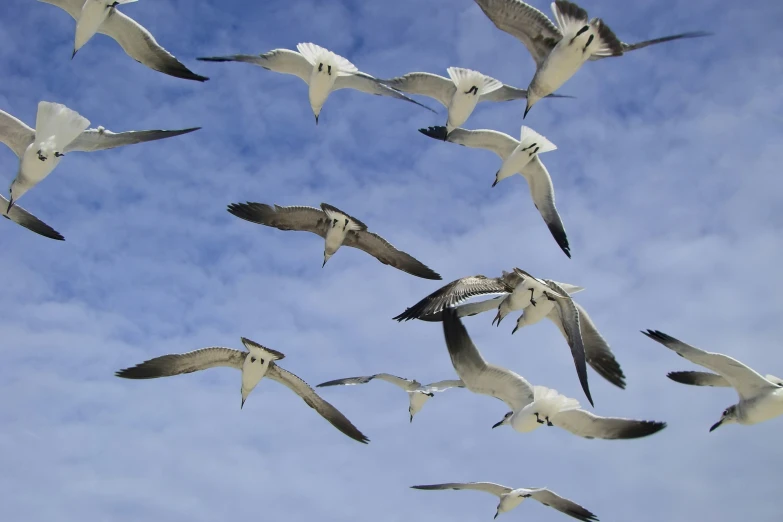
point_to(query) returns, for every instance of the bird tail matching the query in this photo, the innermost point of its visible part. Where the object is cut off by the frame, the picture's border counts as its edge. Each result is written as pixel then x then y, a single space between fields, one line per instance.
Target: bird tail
pixel 58 124
pixel 262 351
pixel 548 397
pixel 528 137
pixel 464 79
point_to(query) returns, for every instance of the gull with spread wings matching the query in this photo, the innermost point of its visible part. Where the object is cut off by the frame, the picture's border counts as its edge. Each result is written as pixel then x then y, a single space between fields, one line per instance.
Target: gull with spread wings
pixel 322 70
pixel 22 217
pixel 256 363
pixel 560 50
pixel 102 16
pixel 336 227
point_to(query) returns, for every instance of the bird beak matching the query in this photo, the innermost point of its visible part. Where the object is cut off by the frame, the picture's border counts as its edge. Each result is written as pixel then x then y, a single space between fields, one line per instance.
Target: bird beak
pixel 497 318
pixel 515 330
pixel 73 54
pixel 496 180
pixel 323 265
pixel 10 204
pixel 411 417
pixel 498 424
pixel 496 514
pixel 243 403
pixel 527 109
pixel 316 119
pixel 714 426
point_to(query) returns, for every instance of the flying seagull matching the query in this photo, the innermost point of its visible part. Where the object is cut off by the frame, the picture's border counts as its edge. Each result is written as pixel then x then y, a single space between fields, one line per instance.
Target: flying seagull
pixel 22 217
pixel 532 406
pixel 511 498
pixel 102 16
pixel 710 379
pixel 322 70
pixel 522 290
pixel 336 227
pixel 519 157
pixel 58 131
pixel 256 363
pixel 418 393
pixel 597 351
pixel 560 50
pixel 761 398
pixel 459 93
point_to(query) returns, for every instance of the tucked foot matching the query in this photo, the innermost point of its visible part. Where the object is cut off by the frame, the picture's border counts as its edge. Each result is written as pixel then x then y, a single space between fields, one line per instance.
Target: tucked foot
pixel 589 41
pixel 538 419
pixel 579 33
pixel 548 423
pixel 41 156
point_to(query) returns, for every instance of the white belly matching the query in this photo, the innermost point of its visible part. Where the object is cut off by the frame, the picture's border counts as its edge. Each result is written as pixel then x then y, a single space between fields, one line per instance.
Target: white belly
pixel 94 13
pixel 460 108
pixel 524 421
pixel 562 63
pixel 765 408
pixel 320 88
pixel 534 314
pixel 34 170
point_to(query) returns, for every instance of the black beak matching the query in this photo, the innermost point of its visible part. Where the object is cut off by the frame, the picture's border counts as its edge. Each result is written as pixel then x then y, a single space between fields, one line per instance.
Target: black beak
pixel 714 426
pixel 527 109
pixel 411 417
pixel 10 204
pixel 242 405
pixel 515 330
pixel 498 424
pixel 316 120
pixel 495 183
pixel 496 514
pixel 73 54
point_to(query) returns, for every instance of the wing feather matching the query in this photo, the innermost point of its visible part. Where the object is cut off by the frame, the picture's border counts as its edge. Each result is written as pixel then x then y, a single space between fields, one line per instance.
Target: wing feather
pixel 385 252
pixel 177 364
pixel 102 139
pixel 305 219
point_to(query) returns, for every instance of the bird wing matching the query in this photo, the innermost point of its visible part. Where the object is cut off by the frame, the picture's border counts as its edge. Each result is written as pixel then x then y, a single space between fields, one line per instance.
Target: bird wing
pixel 403 383
pixel 597 351
pixel 452 294
pixel 699 379
pixel 15 133
pixel 505 93
pixel 569 318
pixel 22 217
pixel 385 252
pixel 524 22
pixel 585 424
pixel 746 381
pixel 467 310
pixel 626 47
pixel 478 375
pixel 305 219
pixel 444 385
pixel 364 82
pixel 426 84
pixel 489 487
pixel 176 364
pixel 553 500
pixel 326 410
pixel 543 193
pixel 283 61
pixel 102 139
pixel 140 45
pixel 498 142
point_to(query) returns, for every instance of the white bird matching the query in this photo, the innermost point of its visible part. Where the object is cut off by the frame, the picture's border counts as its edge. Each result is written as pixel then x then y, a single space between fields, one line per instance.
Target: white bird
pixel 519 157
pixel 256 363
pixel 58 131
pixel 336 227
pixel 511 498
pixel 559 51
pixel 459 93
pixel 532 406
pixel 597 351
pixel 710 379
pixel 418 393
pixel 761 398
pixel 322 70
pixel 22 217
pixel 102 16
pixel 522 290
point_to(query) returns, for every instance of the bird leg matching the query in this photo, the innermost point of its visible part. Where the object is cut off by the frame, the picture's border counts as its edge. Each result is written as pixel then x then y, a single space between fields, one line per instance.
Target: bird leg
pixel 472 90
pixel 589 41
pixel 58 155
pixel 534 151
pixel 530 146
pixel 538 420
pixel 579 33
pixel 548 422
pixel 532 301
pixel 41 156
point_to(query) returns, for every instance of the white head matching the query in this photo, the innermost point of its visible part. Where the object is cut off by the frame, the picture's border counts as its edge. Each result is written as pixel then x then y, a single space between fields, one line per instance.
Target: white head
pixel 417 400
pixel 327 66
pixel 730 415
pixel 255 366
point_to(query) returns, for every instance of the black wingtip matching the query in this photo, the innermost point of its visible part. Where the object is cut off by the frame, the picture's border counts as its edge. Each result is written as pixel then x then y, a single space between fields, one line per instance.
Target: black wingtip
pixel 643 429
pixel 438 133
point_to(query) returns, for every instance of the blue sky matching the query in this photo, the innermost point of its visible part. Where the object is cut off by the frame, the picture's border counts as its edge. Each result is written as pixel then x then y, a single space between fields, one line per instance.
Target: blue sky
pixel 667 177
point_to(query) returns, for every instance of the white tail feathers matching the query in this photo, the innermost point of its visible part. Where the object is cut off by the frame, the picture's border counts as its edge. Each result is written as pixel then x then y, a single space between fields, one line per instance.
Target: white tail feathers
pixel 58 125
pixel 315 54
pixel 528 137
pixel 332 213
pixel 465 79
pixel 552 400
pixel 262 351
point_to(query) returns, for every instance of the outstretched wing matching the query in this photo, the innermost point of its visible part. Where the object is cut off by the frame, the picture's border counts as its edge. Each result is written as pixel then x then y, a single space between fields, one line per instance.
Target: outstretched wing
pixel 283 61
pixel 585 424
pixel 543 193
pixel 22 217
pixel 397 381
pixel 488 487
pixel 425 84
pixel 102 139
pixel 176 364
pixel 305 219
pixel 366 83
pixel 384 252
pixel 553 500
pixel 452 294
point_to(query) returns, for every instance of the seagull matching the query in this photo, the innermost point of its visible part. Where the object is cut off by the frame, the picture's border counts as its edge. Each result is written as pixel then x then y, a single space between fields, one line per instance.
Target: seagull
pixel 710 379
pixel 336 227
pixel 254 364
pixel 322 70
pixel 522 290
pixel 532 406
pixel 459 93
pixel 417 393
pixel 22 217
pixel 58 131
pixel 559 51
pixel 519 157
pixel 102 16
pixel 761 398
pixel 597 351
pixel 511 498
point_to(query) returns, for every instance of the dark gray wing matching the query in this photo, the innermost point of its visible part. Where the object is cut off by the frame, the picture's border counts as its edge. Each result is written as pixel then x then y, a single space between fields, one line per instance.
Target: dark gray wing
pixel 102 139
pixel 365 83
pixel 15 133
pixel 397 381
pixel 283 61
pixel 589 426
pixel 488 487
pixel 553 500
pixel 467 310
pixel 543 193
pixel 426 84
pixel 176 364
pixel 524 22
pixel 326 410
pixel 306 219
pixel 22 217
pixel 640 45
pixel 454 293
pixel 699 379
pixel 384 252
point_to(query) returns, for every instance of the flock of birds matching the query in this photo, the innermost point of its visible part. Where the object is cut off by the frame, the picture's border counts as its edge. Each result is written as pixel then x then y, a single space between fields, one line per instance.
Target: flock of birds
pixel 559 49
